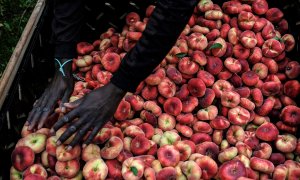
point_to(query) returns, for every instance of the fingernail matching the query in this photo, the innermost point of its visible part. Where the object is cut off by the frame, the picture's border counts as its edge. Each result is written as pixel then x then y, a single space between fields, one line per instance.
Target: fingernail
pixel 84 145
pixel 52 131
pixel 26 123
pixel 69 148
pixel 63 109
pixel 58 142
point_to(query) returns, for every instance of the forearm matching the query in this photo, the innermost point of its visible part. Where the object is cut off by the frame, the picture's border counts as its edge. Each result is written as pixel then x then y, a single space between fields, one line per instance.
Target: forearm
pixel 165 25
pixel 66 27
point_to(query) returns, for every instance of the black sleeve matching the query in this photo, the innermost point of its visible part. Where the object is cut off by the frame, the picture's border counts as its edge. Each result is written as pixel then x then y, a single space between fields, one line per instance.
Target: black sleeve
pixel 165 25
pixel 66 27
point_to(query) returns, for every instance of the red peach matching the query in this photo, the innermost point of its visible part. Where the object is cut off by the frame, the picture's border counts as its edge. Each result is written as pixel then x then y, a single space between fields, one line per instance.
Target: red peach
pixel 197 41
pixel 196 87
pixel 248 39
pixel 207 99
pixel 261 165
pixel 244 92
pixel 267 132
pixel 206 77
pixel 233 65
pixel 173 106
pixel 208 149
pixel 232 7
pixel 290 115
pixel 260 7
pixel 168 155
pixel 291 88
pixel 171 56
pixel 208 113
pixel 289 42
pixel 187 66
pixel 274 15
pixel 198 138
pixel 184 149
pixel 214 65
pixel 221 86
pixel 240 52
pixel 232 170
pixel 230 99
pixel 189 104
pixel 202 127
pixel 174 75
pixel 246 20
pixel 247 104
pixel 149 92
pixel 156 77
pixel 272 48
pixel 292 69
pixel 220 122
pixel 263 151
pixel 286 143
pixel 227 154
pixel 67 169
pixel 139 145
pixel 166 173
pixel 22 157
pixel 259 23
pixel 235 134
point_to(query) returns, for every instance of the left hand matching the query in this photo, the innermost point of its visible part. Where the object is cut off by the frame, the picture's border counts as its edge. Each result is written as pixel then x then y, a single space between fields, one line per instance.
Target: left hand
pixel 92 111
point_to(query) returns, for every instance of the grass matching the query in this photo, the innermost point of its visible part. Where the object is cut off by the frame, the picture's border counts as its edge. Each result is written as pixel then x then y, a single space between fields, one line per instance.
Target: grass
pixel 14 15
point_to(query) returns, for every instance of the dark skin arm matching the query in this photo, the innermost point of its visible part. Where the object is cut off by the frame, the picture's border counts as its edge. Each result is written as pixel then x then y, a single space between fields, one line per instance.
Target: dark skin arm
pixel 60 88
pixel 95 109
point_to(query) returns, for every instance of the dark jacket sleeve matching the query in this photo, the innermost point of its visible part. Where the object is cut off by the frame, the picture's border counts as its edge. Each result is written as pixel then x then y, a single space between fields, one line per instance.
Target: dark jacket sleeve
pixel 66 26
pixel 165 25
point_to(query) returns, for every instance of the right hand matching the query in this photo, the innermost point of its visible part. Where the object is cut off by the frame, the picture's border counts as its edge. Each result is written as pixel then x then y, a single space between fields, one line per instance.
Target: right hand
pixel 60 88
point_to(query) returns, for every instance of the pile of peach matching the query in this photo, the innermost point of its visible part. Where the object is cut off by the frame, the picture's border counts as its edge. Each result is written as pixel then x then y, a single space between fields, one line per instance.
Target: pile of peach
pixel 221 105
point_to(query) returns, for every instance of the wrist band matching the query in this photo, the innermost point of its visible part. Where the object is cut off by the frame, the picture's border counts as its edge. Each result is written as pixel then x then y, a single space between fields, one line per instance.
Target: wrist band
pixel 62 65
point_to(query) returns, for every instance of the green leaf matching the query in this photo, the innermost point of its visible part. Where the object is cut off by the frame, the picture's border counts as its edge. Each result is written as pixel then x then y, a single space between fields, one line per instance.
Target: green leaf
pixel 216 46
pixel 278 39
pixel 180 55
pixel 134 170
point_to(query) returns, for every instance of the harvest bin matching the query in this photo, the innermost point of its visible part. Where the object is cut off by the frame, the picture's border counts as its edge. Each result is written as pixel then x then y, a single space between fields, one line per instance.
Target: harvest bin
pixel 31 65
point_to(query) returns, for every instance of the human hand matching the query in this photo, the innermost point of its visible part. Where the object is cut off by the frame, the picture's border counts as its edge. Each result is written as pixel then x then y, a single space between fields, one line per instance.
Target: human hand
pixel 92 111
pixel 60 88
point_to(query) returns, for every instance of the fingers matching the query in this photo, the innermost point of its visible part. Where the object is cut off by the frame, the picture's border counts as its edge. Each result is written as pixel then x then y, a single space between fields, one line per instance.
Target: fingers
pixel 92 135
pixel 79 135
pixel 65 119
pixel 44 116
pixel 65 99
pixel 74 104
pixel 71 130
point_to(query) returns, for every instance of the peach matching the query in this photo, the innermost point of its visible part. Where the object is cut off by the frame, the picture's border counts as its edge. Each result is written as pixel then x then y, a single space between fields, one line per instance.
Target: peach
pixel 102 135
pixel 183 92
pixel 62 154
pixel 227 154
pixel 263 151
pixel 124 154
pixel 67 169
pixel 244 92
pixel 172 57
pixel 220 122
pixel 219 51
pixel 84 48
pixel 184 149
pixel 168 155
pixel 208 149
pixel 166 173
pixel 35 169
pixel 277 158
pixel 187 66
pixel 139 145
pixel 213 34
pixel 111 61
pixel 208 113
pixel 261 70
pixel 114 169
pixel 292 69
pixel 206 77
pixel 272 48
pixel 260 39
pixel 232 170
pixel 286 143
pixel 267 107
pixel 149 92
pixel 243 149
pixel 148 117
pixel 255 55
pixel 230 99
pixel 260 7
pixel 202 127
pixel 248 39
pixel 240 52
pixel 196 87
pixel 280 172
pixel 246 20
pixel 174 75
pixel 147 129
pixel 167 88
pixel 191 170
pixel 205 5
pixel 224 30
pixel 156 77
pixel 250 78
pixel 122 111
pixel 233 35
pixel 199 57
pixel 289 42
pixel 290 115
pixel 199 29
pixel 207 99
pixel 225 74
pixel 168 138
pixel 153 107
pixel 259 24
pixel 197 41
pixel 214 65
pixel 247 104
pixel 274 15
pixel 149 173
pixel 220 87
pixel 112 148
pixel 166 122
pixel 235 134
pixel 267 132
pixel 91 151
pixel 261 165
pixel 173 106
pixel 189 104
pixel 132 18
pixel 238 116
pixel 22 157
pixel 198 138
pixel 15 174
pixel 182 44
pixel 291 88
pixel 231 7
pixel 268 31
pixel 51 145
pixel 133 169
